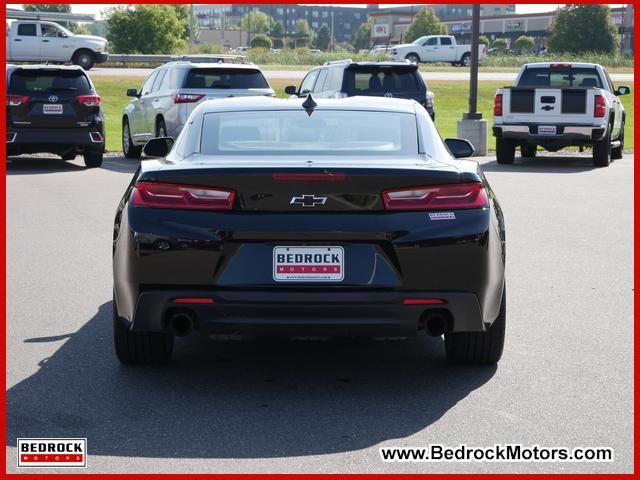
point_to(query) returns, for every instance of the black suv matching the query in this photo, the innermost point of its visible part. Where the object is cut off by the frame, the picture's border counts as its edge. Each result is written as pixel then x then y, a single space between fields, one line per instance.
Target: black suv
pixel 346 78
pixel 54 110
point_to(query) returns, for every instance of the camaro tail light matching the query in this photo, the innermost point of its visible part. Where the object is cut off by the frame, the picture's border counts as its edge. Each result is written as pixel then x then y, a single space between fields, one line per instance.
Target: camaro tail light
pixel 187 197
pixel 497 105
pixel 15 100
pixel 423 301
pixel 437 197
pixel 187 97
pixel 600 108
pixel 89 100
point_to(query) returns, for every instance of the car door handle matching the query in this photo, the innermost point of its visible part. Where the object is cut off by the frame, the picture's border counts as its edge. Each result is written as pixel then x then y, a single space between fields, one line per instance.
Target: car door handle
pixel 46 41
pixel 17 40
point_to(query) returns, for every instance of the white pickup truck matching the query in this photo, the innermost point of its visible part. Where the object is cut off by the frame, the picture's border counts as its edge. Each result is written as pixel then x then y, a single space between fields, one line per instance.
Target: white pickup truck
pixel 40 41
pixel 556 105
pixel 436 48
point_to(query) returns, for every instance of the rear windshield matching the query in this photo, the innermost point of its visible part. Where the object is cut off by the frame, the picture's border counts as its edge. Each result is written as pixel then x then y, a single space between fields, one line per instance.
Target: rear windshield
pixel 322 133
pixel 376 81
pixel 560 77
pixel 225 78
pixel 37 81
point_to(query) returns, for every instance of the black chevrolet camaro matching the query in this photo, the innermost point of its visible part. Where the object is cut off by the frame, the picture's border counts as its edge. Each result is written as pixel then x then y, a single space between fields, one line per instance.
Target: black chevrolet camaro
pixel 309 217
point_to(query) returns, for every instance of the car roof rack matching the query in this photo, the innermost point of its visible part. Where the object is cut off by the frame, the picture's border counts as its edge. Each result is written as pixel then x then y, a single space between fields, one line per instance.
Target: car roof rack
pixel 335 62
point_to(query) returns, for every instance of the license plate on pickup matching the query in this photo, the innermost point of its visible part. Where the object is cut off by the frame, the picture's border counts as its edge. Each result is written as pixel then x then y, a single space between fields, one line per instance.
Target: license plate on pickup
pixel 546 130
pixel 52 109
pixel 308 264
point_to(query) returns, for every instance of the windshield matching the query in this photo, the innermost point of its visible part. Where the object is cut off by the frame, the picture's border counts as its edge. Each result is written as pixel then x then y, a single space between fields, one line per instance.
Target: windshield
pixel 379 81
pixel 38 81
pixel 418 41
pixel 560 77
pixel 329 132
pixel 225 78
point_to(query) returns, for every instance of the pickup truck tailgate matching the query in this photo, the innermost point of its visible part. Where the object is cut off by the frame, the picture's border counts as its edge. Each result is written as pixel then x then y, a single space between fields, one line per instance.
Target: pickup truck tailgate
pixel 554 105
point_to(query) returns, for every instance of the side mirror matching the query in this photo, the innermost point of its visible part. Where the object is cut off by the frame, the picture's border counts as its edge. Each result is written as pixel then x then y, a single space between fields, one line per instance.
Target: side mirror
pixel 290 90
pixel 623 90
pixel 158 147
pixel 63 35
pixel 459 147
pixel 132 92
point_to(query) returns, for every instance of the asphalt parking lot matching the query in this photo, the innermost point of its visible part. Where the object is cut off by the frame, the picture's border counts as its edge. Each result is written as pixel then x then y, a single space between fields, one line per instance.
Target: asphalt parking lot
pixel 229 405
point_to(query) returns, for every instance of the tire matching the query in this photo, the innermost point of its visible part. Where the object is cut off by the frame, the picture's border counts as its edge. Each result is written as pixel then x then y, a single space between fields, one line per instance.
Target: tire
pixel 92 158
pixel 84 58
pixel 616 153
pixel 465 61
pixel 68 156
pixel 128 148
pixel 479 348
pixel 135 348
pixel 161 128
pixel 413 58
pixel 528 151
pixel 602 151
pixel 505 151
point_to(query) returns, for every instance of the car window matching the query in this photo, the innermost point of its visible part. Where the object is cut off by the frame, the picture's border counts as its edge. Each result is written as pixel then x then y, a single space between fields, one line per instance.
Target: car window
pixel 609 82
pixel 296 133
pixel 27 29
pixel 48 30
pixel 148 85
pixel 37 81
pixel 445 41
pixel 159 79
pixel 375 81
pixel 225 78
pixel 562 76
pixel 322 76
pixel 308 82
pixel 432 41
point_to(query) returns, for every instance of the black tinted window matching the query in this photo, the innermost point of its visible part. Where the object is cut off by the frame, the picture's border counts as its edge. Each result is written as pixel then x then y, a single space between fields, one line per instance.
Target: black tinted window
pixel 25 81
pixel 225 78
pixel 445 41
pixel 560 77
pixel 27 30
pixel 377 81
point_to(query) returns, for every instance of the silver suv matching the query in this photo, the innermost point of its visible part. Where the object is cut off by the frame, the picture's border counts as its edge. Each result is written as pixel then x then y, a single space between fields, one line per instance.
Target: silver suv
pixel 169 95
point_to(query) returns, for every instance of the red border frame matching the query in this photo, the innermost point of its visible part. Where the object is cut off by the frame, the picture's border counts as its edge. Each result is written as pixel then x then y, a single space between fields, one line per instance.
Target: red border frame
pixel 3 304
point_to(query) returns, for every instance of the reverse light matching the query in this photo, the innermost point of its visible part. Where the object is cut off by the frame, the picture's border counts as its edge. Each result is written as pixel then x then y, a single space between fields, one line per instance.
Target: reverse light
pixel 456 196
pixel 89 100
pixel 422 301
pixel 15 100
pixel 497 105
pixel 600 107
pixel 187 97
pixel 187 197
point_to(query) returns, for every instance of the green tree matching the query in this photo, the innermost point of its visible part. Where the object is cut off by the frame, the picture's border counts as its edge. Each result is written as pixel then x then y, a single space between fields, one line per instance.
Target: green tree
pixel 261 41
pixel 484 40
pixel 425 23
pixel 304 33
pixel 256 22
pixel 524 44
pixel 150 29
pixel 191 25
pixel 362 36
pixel 277 35
pixel 581 28
pixel 499 43
pixel 323 38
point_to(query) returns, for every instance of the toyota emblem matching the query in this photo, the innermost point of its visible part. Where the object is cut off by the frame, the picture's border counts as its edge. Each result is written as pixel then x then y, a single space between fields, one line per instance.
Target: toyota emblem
pixel 388 94
pixel 53 98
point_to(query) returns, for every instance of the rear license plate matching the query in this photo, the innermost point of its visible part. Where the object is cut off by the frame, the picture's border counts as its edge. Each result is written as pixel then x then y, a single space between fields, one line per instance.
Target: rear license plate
pixel 308 264
pixel 52 109
pixel 546 130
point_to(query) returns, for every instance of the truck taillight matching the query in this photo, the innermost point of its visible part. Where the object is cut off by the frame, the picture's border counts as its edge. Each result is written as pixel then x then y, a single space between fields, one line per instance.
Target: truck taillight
pixel 455 196
pixel 600 107
pixel 187 97
pixel 184 197
pixel 89 100
pixel 497 105
pixel 16 100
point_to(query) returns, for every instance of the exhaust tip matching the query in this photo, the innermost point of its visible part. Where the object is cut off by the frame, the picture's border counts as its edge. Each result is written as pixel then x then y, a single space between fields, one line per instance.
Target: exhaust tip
pixel 181 323
pixel 436 323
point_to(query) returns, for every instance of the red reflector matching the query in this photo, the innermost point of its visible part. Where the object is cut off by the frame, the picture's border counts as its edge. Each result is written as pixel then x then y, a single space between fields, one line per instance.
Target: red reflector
pixel 188 197
pixel 89 100
pixel 423 301
pixel 437 197
pixel 497 105
pixel 600 107
pixel 309 177
pixel 11 136
pixel 96 137
pixel 187 97
pixel 199 300
pixel 15 100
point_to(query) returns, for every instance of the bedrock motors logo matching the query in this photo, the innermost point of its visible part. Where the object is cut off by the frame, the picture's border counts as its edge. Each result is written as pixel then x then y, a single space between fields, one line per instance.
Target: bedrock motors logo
pixel 52 452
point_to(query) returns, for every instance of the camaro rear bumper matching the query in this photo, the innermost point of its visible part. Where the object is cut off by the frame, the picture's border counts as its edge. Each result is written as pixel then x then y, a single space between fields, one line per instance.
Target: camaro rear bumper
pixel 355 313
